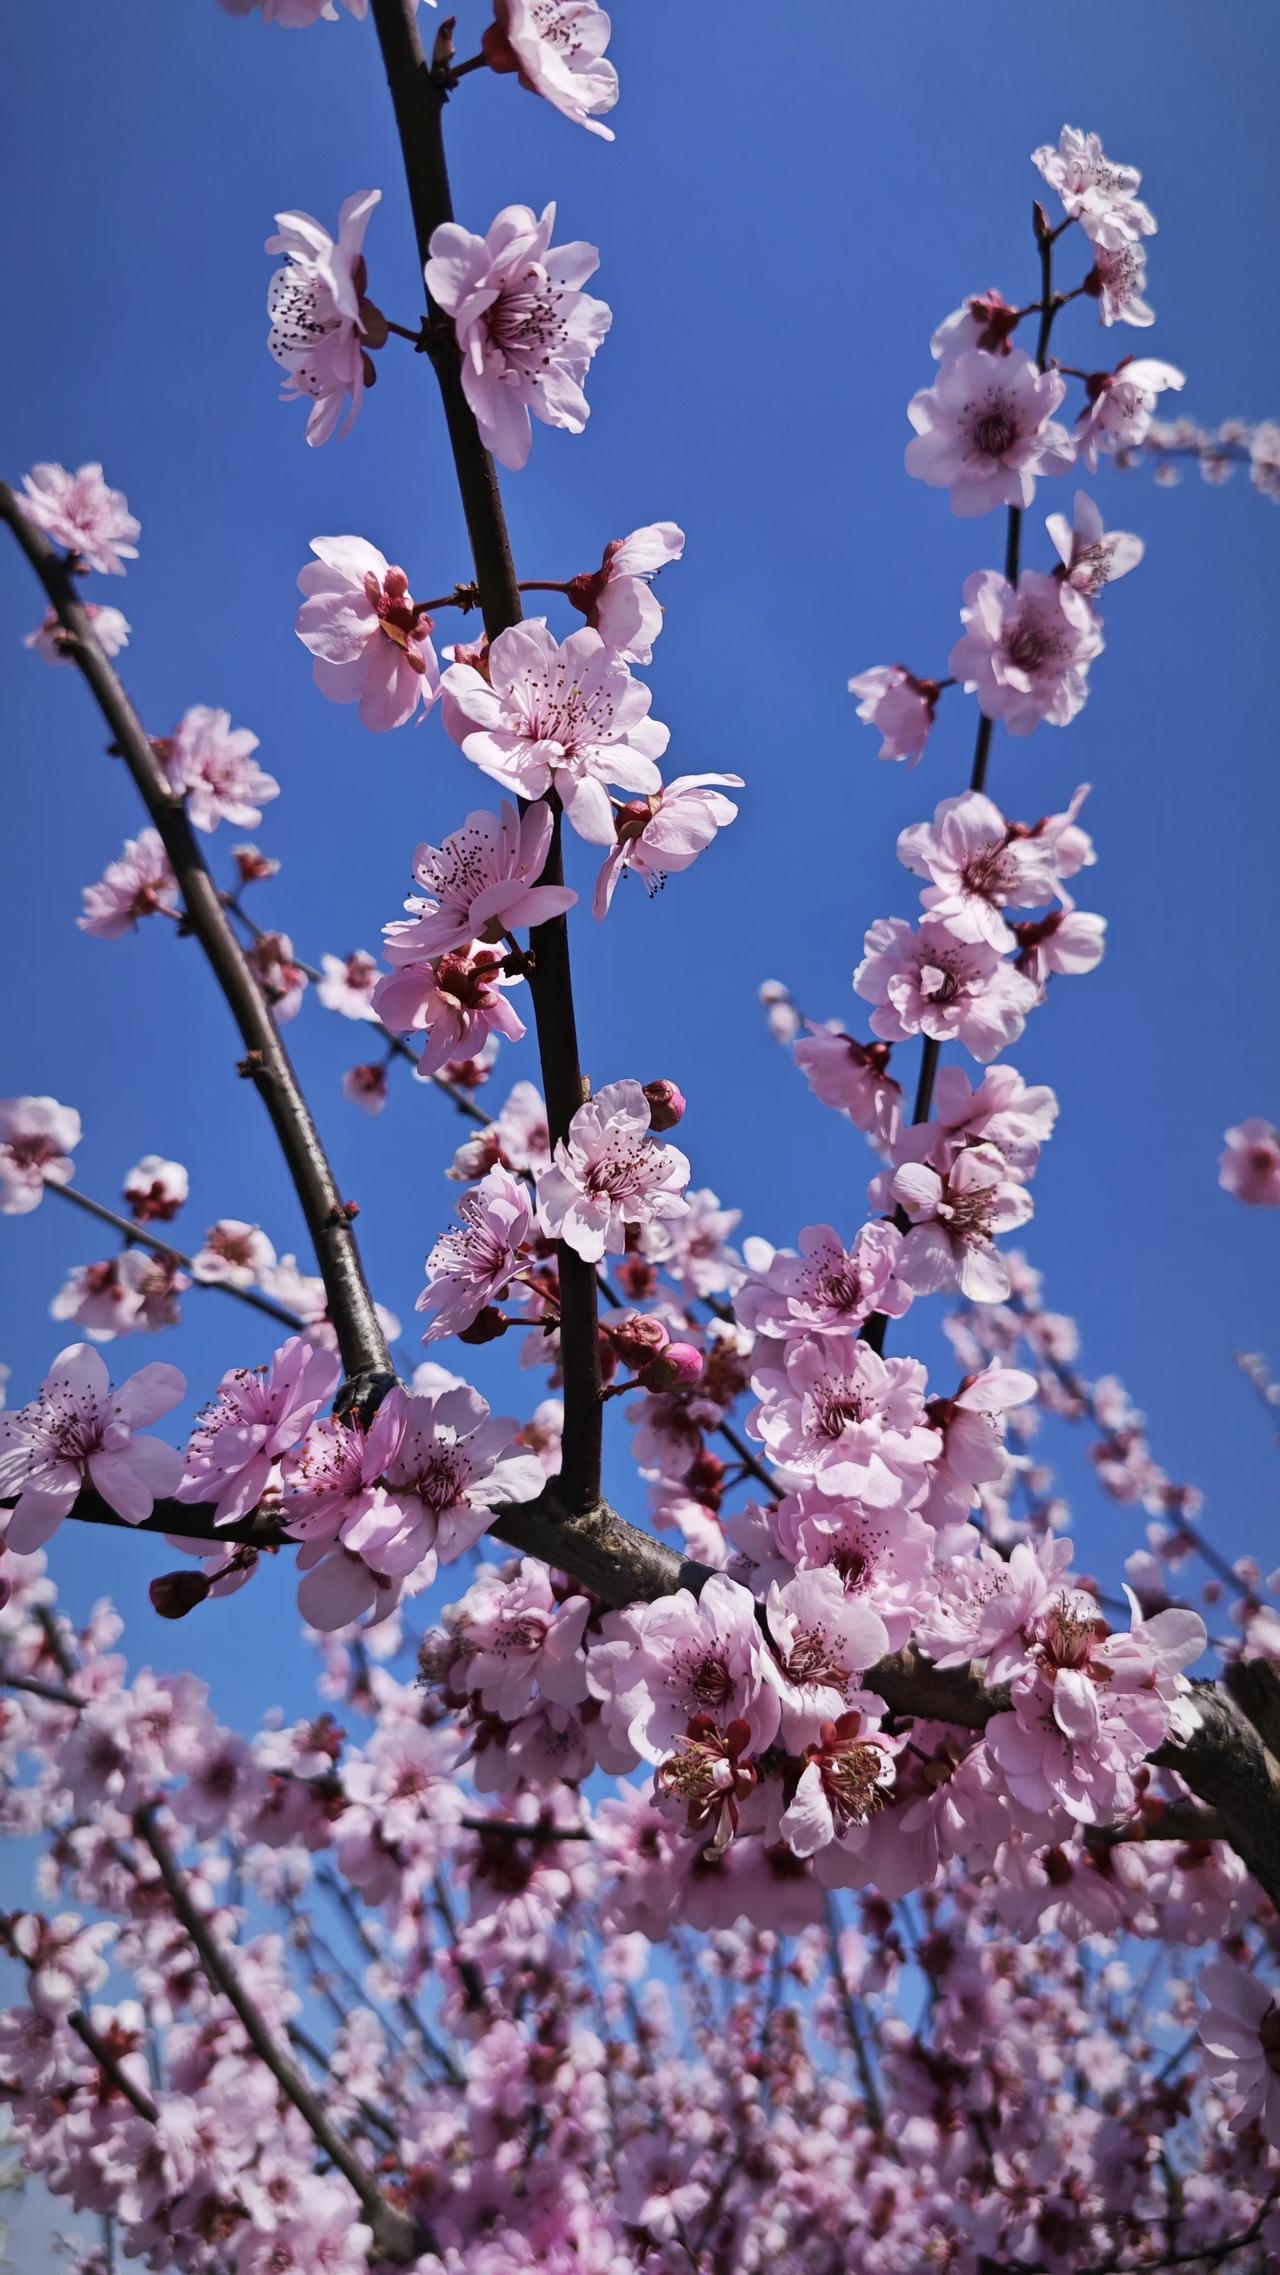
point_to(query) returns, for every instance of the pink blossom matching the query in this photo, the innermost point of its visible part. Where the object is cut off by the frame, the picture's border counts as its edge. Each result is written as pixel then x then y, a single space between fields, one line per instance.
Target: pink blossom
pixel 317 310
pixel 972 1425
pixel 1066 940
pixel 79 511
pixel 833 1410
pixel 297 15
pixel 283 981
pixel 852 1077
pixel 1250 1167
pixel 926 982
pixel 900 706
pixel 470 1269
pixel 526 330
pixel 348 984
pixel 79 1434
pixel 659 834
pixel 1121 405
pixel 1118 282
pixel 366 1086
pixel 255 1417
pixel 693 1247
pixel 235 1254
pixel 126 1293
pixel 823 1642
pixel 211 764
pixel 1264 459
pixel 616 598
pixel 141 883
pixel 661 1664
pixel 155 1189
pixel 978 864
pixel 557 47
pixel 1095 191
pixel 110 629
pixel 954 1220
pixel 848 1775
pixel 880 1557
pixel 985 320
pixel 370 639
pixel 37 1138
pixel 826 1289
pixel 457 1001
pixel 564 713
pixel 1026 653
pixel 1003 1111
pixel 610 1173
pixel 985 429
pixel 453 1463
pixel 513 1634
pixel 1092 555
pixel 480 884
pixel 1240 2034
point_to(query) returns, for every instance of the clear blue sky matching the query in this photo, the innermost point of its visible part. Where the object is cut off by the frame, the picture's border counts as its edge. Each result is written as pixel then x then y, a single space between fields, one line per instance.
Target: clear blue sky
pixel 795 198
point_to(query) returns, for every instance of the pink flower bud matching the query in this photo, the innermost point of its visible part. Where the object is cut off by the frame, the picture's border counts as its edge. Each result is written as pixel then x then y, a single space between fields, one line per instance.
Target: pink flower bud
pixel 676 1368
pixel 638 1338
pixel 666 1105
pixel 485 1327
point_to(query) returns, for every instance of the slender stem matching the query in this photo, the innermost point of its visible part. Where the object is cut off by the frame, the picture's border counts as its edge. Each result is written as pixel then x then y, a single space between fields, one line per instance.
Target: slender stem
pixel 394 2232
pixel 849 2010
pixel 418 99
pixel 138 1237
pixel 538 584
pixel 111 2069
pixel 361 1341
pixel 48 1691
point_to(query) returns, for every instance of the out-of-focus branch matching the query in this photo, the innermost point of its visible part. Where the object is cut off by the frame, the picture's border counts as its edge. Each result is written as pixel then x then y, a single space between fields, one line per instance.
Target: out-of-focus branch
pixel 360 1338
pixel 395 2234
pixel 418 96
pixel 138 1237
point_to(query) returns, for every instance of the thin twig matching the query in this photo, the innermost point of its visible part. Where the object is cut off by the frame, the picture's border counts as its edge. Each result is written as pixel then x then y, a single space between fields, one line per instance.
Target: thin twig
pixel 138 1237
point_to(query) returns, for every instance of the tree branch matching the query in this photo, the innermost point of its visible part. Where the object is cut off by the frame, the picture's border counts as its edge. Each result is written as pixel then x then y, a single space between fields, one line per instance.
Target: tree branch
pixel 418 99
pixel 395 2234
pixel 360 1338
pixel 138 1237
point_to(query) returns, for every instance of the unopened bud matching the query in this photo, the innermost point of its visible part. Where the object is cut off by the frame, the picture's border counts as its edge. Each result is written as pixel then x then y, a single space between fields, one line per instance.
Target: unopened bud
pixel 174 1594
pixel 485 1327
pixel 676 1368
pixel 666 1105
pixel 638 1338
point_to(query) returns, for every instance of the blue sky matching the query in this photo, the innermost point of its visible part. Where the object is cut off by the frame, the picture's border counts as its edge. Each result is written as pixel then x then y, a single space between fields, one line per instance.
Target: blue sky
pixel 782 222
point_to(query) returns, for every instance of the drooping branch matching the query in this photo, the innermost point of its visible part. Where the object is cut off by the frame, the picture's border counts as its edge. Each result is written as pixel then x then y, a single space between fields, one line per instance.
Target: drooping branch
pixel 362 1344
pixel 418 95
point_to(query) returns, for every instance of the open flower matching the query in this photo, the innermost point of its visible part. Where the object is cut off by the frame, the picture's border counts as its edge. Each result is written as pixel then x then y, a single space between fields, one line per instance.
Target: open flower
pixel 954 1221
pixel 926 982
pixel 457 1000
pixel 1240 2034
pixel 78 1432
pixel 257 1415
pixel 660 1664
pixel 1095 191
pixel 140 883
pixel 1250 1167
pixel 978 865
pixel 832 1409
pixel 900 706
pixel 616 598
pixel 667 832
pixel 564 713
pixel 211 764
pixel 79 511
pixel 37 1137
pixel 469 1269
pixel 526 330
pixel 481 883
pixel 1026 652
pixel 1092 555
pixel 985 429
pixel 608 1174
pixel 370 639
pixel 110 629
pixel 557 47
pixel 1121 405
pixel 317 310
pixel 823 1642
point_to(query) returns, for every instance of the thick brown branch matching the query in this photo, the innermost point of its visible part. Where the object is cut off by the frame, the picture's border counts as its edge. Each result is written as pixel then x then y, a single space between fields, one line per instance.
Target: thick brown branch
pixel 395 2234
pixel 360 1338
pixel 418 99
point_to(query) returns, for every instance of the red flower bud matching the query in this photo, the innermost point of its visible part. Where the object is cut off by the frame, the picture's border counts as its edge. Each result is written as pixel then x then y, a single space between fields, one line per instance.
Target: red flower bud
pixel 666 1105
pixel 676 1368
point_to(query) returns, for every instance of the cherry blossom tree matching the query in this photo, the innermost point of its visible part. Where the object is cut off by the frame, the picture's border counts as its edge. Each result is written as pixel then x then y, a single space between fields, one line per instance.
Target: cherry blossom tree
pixel 846 1880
